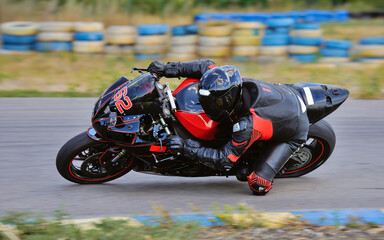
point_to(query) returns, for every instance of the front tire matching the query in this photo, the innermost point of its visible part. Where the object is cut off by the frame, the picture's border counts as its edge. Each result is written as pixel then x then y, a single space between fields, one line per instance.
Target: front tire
pixel 318 148
pixel 79 161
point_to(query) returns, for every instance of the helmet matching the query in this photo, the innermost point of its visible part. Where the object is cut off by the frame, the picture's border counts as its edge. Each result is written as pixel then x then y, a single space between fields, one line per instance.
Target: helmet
pixel 220 92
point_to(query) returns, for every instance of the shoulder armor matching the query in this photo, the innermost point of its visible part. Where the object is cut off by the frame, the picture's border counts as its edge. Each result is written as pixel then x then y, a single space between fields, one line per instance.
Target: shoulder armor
pixel 240 126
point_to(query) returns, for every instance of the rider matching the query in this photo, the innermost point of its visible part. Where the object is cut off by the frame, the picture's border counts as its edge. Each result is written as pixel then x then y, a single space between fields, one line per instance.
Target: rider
pixel 258 111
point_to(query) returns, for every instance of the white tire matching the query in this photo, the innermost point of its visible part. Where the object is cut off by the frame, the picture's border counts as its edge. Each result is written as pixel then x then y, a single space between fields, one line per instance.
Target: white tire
pixel 172 56
pixel 56 27
pixel 301 49
pixel 215 29
pixel 88 46
pixel 123 30
pixel 215 41
pixel 19 28
pixel 120 39
pixel 248 25
pixel 246 32
pixel 210 51
pixel 184 40
pixel 273 50
pixel 246 40
pixel 307 33
pixel 117 49
pixel 88 26
pixel 334 59
pixel 269 59
pixel 368 50
pixel 191 49
pixel 152 40
pixel 54 37
pixel 245 51
pixel 150 49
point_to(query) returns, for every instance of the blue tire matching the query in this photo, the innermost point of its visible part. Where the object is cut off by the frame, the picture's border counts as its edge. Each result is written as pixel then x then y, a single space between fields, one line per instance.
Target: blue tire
pixel 53 46
pixel 184 30
pixel 303 57
pixel 333 52
pixel 241 59
pixel 340 15
pixel 14 40
pixel 192 29
pixel 275 40
pixel 310 26
pixel 18 47
pixel 372 40
pixel 338 44
pixel 147 56
pixel 306 41
pixel 88 36
pixel 152 29
pixel 280 31
pixel 280 22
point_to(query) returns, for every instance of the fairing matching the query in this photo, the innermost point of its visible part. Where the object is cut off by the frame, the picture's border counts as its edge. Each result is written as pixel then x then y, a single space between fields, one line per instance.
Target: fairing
pixel 190 113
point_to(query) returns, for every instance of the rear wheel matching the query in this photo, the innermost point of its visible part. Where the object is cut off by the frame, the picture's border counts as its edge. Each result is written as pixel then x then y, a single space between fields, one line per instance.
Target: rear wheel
pixel 318 148
pixel 86 161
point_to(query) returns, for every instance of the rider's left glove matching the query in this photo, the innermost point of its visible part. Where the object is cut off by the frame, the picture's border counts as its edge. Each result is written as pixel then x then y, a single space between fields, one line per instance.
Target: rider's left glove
pixel 187 148
pixel 169 70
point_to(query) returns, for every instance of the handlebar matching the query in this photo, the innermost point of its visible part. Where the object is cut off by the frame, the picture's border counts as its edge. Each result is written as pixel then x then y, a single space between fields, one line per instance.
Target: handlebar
pixel 140 70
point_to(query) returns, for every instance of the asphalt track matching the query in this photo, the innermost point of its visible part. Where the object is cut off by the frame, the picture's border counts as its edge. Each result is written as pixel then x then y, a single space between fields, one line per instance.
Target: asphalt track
pixel 32 130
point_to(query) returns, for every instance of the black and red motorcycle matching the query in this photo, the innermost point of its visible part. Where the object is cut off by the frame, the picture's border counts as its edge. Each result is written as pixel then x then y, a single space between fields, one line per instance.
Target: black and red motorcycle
pixel 131 120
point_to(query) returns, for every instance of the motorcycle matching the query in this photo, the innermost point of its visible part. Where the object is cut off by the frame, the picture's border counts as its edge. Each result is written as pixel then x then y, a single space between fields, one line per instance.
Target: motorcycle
pixel 131 120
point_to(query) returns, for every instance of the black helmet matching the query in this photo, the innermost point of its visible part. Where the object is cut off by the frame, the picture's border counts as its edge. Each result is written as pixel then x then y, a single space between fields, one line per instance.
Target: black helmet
pixel 220 92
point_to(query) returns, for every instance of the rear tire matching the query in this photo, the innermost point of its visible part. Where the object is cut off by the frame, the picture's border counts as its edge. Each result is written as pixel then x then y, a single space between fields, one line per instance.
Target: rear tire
pixel 78 161
pixel 318 148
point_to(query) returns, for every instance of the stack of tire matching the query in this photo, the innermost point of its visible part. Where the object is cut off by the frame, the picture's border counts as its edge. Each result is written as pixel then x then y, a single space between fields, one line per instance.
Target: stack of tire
pixel 18 36
pixel 370 49
pixel 246 38
pixel 183 43
pixel 214 40
pixel 276 39
pixel 335 51
pixel 54 36
pixel 120 40
pixel 152 41
pixel 88 37
pixel 305 41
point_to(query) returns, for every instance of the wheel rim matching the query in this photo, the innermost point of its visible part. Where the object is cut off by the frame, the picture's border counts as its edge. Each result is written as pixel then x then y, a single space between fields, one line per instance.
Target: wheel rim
pixel 86 165
pixel 303 158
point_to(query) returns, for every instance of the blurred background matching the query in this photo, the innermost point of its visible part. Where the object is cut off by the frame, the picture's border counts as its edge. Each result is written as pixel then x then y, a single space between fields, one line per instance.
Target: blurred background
pixel 79 47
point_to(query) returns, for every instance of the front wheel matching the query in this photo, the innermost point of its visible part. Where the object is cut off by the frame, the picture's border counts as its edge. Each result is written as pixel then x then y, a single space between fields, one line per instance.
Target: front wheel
pixel 86 161
pixel 318 148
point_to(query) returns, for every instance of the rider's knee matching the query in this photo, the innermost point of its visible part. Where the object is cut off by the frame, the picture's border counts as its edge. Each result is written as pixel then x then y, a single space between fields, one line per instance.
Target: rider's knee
pixel 258 184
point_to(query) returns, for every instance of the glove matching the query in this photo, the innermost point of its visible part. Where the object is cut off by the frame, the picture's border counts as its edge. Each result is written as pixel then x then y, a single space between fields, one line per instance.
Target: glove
pixel 175 144
pixel 169 70
pixel 157 68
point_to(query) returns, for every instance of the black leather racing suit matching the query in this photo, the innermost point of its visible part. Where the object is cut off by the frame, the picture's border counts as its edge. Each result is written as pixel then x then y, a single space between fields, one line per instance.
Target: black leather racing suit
pixel 269 112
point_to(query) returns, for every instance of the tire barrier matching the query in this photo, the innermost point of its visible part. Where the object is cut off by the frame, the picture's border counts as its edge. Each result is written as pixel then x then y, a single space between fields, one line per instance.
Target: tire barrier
pixel 55 36
pixel 56 27
pixel 184 43
pixel 120 40
pixel 18 36
pixel 214 39
pixel 248 36
pixel 215 29
pixel 88 46
pixel 335 51
pixel 152 41
pixel 88 37
pixel 19 28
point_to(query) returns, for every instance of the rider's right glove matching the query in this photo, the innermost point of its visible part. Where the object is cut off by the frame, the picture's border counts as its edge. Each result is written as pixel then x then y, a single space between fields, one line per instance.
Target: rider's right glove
pixel 169 70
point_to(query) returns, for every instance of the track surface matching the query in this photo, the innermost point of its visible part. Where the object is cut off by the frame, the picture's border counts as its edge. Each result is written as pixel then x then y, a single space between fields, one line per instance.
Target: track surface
pixel 32 131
